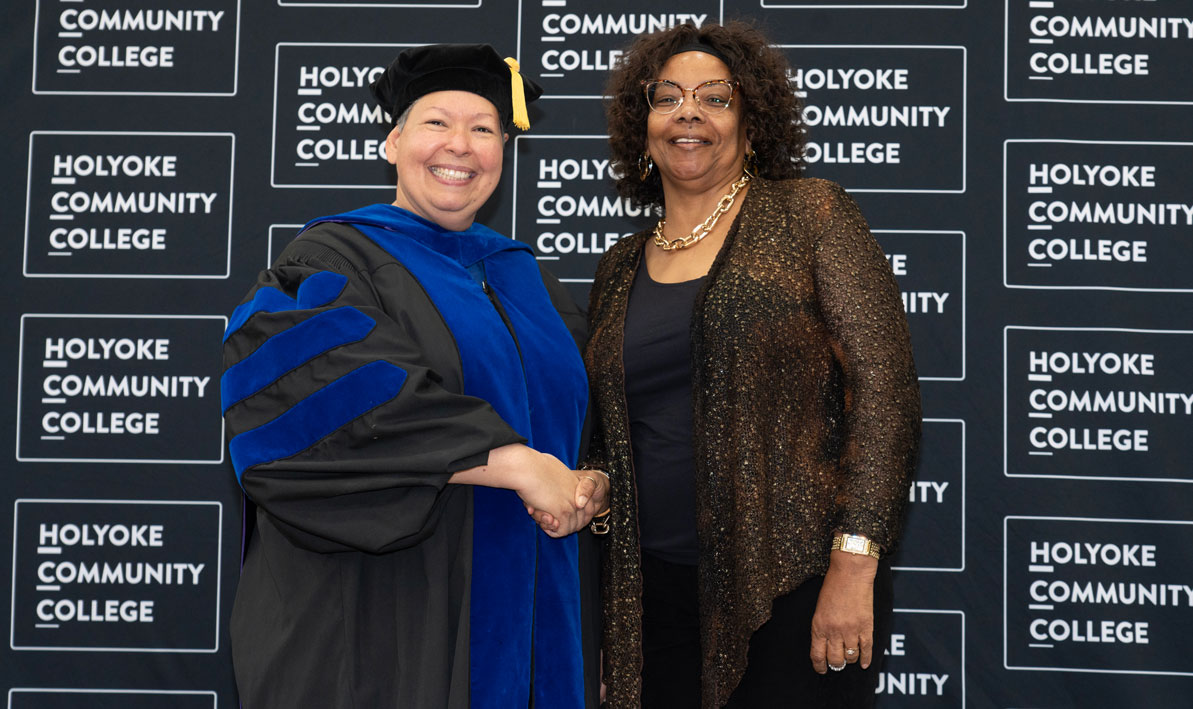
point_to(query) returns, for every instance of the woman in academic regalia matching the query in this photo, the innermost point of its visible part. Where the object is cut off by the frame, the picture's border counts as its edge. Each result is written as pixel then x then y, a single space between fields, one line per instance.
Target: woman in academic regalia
pixel 401 388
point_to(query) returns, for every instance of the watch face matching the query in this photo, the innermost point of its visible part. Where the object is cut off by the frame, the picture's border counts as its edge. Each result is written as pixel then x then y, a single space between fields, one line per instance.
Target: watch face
pixel 854 544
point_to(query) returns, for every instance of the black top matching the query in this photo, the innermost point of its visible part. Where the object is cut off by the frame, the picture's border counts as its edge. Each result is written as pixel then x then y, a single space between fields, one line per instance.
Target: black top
pixel 658 377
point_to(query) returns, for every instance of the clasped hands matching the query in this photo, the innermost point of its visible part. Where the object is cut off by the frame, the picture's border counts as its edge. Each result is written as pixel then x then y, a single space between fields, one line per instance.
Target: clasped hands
pixel 561 500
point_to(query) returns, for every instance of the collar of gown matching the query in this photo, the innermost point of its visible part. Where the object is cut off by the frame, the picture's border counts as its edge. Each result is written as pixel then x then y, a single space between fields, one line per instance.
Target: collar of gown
pixel 464 247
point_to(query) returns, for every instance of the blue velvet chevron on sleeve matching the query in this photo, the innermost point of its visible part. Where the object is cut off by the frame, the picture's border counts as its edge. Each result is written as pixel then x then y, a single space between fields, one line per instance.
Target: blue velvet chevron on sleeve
pixel 317 290
pixel 318 415
pixel 323 411
pixel 291 348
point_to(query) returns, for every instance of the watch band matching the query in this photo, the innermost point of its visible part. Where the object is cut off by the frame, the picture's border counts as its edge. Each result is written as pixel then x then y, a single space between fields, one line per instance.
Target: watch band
pixel 855 544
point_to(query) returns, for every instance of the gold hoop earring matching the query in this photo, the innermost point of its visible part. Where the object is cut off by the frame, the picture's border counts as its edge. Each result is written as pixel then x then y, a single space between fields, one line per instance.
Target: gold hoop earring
pixel 645 165
pixel 750 164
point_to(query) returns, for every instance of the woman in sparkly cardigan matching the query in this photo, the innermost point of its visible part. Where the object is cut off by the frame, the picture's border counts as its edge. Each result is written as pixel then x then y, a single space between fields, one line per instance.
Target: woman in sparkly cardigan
pixel 759 407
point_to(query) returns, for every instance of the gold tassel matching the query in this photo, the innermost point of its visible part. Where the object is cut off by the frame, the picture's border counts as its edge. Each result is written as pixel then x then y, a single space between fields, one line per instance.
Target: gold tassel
pixel 518 94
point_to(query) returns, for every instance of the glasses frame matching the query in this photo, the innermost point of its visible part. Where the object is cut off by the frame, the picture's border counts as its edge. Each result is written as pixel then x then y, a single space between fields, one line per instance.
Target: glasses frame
pixel 683 94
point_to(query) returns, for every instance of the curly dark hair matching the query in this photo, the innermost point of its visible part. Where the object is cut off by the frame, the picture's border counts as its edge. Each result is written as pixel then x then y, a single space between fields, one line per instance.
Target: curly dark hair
pixel 772 113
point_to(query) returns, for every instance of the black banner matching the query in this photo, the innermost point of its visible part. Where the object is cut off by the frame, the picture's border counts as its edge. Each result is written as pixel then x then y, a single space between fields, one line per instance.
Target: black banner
pixel 1097 595
pixel 119 389
pixel 1023 164
pixel 884 118
pixel 563 206
pixel 917 673
pixel 930 270
pixel 934 533
pixel 116 575
pixel 129 205
pixel 150 47
pixel 1122 222
pixel 1078 51
pixel 1098 403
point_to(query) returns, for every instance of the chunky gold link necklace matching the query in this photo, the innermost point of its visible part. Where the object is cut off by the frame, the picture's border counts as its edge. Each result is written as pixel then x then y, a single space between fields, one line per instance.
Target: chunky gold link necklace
pixel 701 230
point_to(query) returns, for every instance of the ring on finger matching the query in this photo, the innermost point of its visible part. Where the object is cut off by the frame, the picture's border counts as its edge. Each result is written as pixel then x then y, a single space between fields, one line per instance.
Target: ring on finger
pixel 850 651
pixel 836 668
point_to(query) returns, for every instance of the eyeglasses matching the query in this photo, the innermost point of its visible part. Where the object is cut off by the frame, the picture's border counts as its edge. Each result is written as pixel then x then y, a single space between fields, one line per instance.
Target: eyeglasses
pixel 711 97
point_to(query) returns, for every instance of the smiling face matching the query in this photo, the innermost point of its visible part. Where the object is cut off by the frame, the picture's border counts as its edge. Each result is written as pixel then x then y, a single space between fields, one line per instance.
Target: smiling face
pixel 448 157
pixel 694 150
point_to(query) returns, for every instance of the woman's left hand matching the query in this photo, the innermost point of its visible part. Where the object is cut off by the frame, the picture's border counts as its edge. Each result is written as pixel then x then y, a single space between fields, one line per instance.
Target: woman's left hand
pixel 844 617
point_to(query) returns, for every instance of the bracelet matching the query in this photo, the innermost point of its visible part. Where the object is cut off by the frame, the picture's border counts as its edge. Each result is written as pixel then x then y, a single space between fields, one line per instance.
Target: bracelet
pixel 600 522
pixel 593 468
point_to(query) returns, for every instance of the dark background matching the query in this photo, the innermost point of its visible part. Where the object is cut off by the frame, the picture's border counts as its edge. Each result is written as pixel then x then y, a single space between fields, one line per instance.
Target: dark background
pixel 963 588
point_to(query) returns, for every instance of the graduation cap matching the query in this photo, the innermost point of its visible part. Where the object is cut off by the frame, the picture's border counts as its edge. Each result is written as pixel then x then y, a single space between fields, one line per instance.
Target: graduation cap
pixel 476 68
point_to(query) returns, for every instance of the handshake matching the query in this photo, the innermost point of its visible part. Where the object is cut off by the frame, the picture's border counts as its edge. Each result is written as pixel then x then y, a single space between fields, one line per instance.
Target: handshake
pixel 560 500
pixel 563 501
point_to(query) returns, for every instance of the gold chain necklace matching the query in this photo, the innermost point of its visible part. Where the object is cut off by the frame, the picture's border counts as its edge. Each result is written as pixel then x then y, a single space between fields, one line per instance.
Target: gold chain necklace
pixel 701 230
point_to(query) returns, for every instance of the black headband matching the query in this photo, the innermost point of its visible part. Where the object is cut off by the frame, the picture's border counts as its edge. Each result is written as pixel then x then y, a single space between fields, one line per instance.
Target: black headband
pixel 698 46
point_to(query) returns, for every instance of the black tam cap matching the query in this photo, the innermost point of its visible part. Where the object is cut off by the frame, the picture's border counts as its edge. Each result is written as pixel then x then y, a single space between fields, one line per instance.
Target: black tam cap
pixel 476 68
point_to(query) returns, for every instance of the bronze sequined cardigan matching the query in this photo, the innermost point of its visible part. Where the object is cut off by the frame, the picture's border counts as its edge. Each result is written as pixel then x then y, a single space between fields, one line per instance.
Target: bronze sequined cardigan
pixel 806 418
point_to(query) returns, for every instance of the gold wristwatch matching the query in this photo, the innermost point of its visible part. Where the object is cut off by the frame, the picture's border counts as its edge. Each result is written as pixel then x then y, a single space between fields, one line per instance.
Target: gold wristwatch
pixel 855 544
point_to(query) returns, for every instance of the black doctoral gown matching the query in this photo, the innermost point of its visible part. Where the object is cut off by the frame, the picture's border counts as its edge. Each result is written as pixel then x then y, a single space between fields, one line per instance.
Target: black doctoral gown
pixel 379 355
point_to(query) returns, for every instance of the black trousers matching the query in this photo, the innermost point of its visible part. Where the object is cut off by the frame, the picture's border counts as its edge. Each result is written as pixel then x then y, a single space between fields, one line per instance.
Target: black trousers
pixel 778 673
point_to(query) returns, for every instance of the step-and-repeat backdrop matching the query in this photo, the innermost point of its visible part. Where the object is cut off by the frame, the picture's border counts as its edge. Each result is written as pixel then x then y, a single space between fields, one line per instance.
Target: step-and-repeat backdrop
pixel 1027 165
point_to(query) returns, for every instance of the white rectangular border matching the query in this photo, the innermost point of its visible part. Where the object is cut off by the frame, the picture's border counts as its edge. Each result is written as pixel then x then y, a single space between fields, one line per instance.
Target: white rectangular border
pixel 273 133
pixel 20 371
pixel 782 6
pixel 1005 377
pixel 219 563
pixel 235 69
pixel 1005 247
pixel 549 96
pixel 944 611
pixel 269 240
pixel 964 293
pixel 1006 75
pixel 964 107
pixel 1005 561
pixel 162 276
pixel 84 690
pixel 963 507
pixel 514 194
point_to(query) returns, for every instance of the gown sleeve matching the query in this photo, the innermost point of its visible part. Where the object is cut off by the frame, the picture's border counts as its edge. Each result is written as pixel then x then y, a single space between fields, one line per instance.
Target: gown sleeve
pixel 343 409
pixel 860 302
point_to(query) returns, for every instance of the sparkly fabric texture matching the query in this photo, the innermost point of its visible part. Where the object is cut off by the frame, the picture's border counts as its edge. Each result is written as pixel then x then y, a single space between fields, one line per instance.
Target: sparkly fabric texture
pixel 806 416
